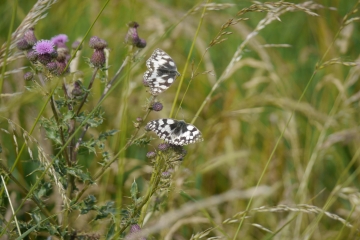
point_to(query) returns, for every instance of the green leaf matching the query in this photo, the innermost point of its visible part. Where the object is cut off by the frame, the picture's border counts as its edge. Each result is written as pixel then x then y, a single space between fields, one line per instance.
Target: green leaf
pixel 110 232
pixel 104 135
pixel 106 210
pixel 87 205
pixel 78 173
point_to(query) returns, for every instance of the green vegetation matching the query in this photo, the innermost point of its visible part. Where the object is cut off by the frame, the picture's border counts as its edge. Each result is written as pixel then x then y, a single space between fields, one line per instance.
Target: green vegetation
pixel 273 88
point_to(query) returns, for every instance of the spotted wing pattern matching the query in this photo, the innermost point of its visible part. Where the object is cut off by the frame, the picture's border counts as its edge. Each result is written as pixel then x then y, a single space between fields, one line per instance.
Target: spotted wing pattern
pixel 161 72
pixel 176 132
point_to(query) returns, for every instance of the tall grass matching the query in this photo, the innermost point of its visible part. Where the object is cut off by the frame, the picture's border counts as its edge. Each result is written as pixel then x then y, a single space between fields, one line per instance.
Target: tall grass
pixel 273 87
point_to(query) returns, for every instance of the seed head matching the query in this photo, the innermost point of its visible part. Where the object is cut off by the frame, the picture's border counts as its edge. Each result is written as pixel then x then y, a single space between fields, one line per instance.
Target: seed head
pixel 163 146
pixel 29 36
pixel 28 76
pixel 60 40
pixel 151 155
pixel 98 58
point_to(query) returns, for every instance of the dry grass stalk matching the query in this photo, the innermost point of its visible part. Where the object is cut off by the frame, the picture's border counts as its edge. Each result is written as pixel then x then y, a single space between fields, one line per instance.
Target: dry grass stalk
pixel 37 13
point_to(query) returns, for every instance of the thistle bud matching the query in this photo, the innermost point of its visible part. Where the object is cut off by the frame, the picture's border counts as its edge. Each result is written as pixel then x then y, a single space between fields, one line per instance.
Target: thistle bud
pixel 31 55
pixel 75 45
pixel 51 66
pixel 163 147
pixel 22 44
pixel 29 36
pixel 157 106
pixel 141 43
pixel 150 155
pixel 28 76
pixel 132 36
pixel 98 58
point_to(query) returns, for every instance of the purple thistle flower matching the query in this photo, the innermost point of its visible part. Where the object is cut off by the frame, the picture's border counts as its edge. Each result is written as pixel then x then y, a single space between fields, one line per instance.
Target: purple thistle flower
pixel 44 47
pixel 60 40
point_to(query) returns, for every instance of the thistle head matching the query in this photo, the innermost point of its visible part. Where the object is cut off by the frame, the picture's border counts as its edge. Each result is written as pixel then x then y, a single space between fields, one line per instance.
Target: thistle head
pixel 132 36
pixel 51 66
pixel 23 45
pixel 29 36
pixel 97 43
pixel 28 76
pixel 44 47
pixel 157 106
pixel 60 40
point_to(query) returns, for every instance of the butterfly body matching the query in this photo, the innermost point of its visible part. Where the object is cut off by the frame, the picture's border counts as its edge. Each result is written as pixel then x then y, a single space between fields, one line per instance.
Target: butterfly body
pixel 176 132
pixel 161 72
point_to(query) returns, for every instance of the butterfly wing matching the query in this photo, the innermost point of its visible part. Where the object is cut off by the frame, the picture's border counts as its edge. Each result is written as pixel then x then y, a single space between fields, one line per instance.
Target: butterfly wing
pixel 158 81
pixel 185 134
pixel 162 127
pixel 160 60
pixel 174 131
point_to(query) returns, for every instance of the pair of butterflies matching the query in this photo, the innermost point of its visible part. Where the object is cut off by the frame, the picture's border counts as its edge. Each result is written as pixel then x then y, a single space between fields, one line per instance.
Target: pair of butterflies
pixel 161 73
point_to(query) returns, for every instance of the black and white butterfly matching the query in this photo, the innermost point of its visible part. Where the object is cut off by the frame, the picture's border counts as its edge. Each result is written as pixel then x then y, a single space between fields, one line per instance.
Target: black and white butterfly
pixel 176 132
pixel 162 72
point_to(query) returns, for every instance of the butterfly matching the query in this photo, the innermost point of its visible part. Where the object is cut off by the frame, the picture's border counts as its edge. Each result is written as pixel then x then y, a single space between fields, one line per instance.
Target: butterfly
pixel 176 132
pixel 161 72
